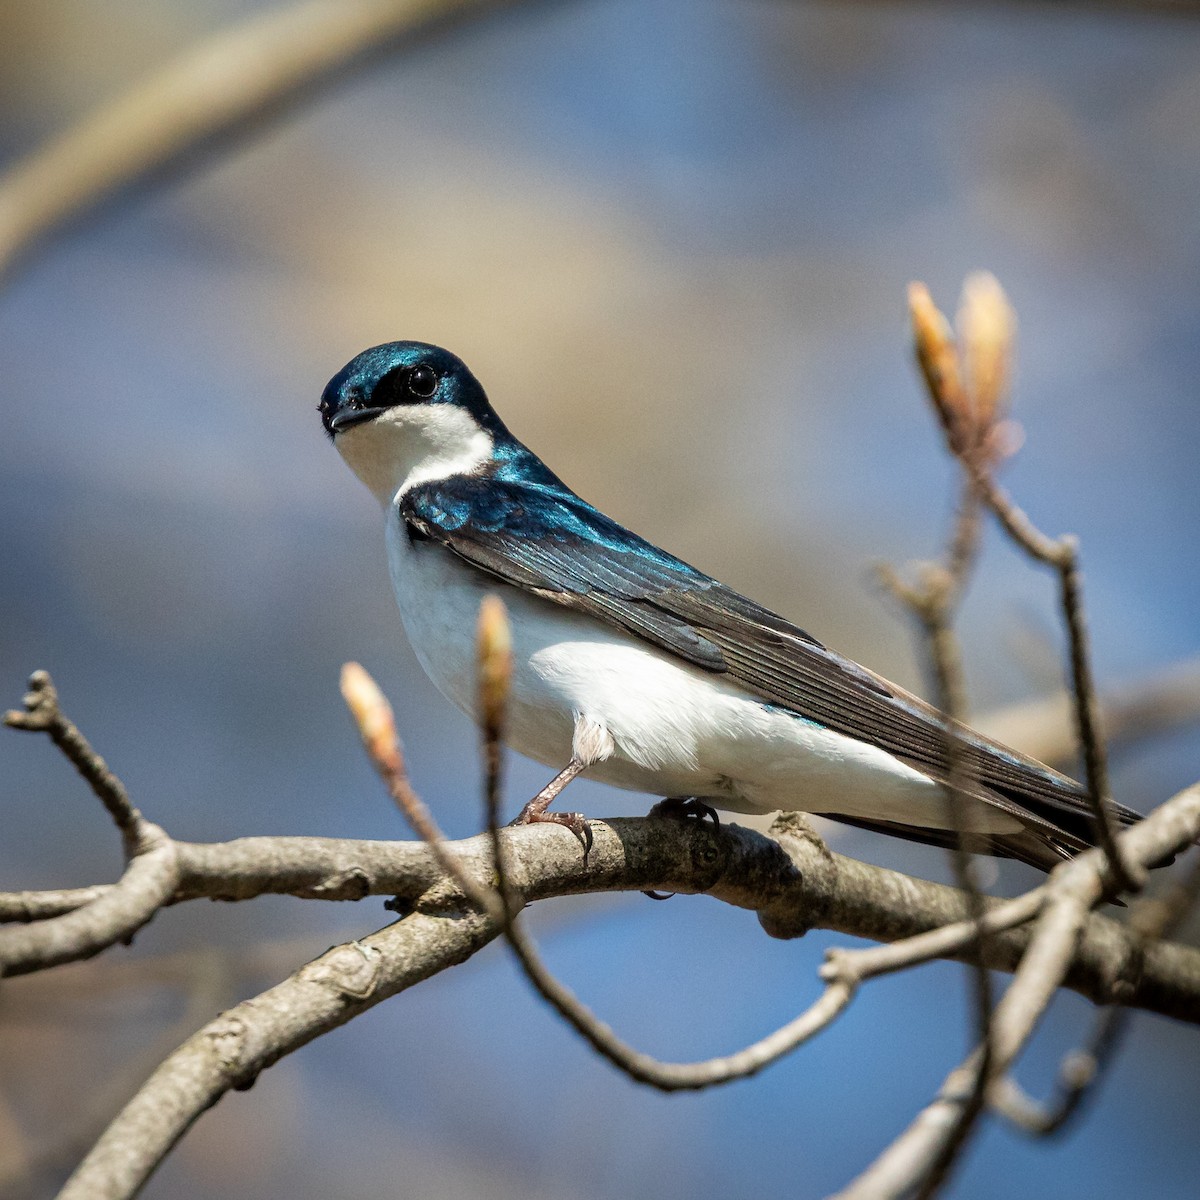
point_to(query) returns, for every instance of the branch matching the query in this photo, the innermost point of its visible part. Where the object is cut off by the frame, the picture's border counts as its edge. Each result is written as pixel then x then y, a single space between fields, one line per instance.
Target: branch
pixel 231 1050
pixel 42 715
pixel 106 916
pixel 219 89
pixel 793 883
pixel 789 880
pixel 968 439
pixel 1057 937
pixel 968 385
pixel 1075 887
pixel 113 916
pixel 1152 919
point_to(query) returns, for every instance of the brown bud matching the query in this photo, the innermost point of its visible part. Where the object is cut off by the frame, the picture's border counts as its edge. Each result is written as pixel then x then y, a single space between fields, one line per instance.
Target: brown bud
pixel 938 359
pixel 987 329
pixel 495 663
pixel 373 716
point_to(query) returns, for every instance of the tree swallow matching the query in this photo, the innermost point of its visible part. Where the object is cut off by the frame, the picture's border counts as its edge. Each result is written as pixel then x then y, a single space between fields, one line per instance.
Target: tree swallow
pixel 635 667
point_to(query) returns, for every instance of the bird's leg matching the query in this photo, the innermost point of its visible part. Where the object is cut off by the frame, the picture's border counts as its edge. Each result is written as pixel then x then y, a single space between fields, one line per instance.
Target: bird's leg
pixel 535 813
pixel 536 808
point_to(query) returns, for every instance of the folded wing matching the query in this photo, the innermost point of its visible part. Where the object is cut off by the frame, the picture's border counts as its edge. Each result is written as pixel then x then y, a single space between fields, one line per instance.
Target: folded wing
pixel 544 539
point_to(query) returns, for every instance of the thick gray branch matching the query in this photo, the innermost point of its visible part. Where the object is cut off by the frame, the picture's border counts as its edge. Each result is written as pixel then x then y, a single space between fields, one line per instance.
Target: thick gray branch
pixel 793 884
pixel 231 1050
pixel 114 914
pixel 223 86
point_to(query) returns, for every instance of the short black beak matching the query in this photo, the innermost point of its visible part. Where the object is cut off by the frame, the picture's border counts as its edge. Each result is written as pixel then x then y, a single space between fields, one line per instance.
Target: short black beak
pixel 346 418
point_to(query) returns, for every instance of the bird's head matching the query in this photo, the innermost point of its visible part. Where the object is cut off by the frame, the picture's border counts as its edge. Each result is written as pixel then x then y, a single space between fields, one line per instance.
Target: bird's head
pixel 407 412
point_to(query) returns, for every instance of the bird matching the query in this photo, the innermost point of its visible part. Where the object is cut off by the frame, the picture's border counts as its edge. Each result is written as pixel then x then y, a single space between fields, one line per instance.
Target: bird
pixel 639 670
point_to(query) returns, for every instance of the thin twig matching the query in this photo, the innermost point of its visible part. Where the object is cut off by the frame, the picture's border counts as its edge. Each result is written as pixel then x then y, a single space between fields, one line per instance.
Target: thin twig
pixel 947 670
pixel 941 942
pixel 494 645
pixel 1074 888
pixel 977 448
pixel 1095 753
pixel 1079 1072
pixel 1152 919
pixel 25 907
pixel 377 726
pixel 146 886
pixel 967 383
pixel 43 715
pixel 1055 941
pixel 106 916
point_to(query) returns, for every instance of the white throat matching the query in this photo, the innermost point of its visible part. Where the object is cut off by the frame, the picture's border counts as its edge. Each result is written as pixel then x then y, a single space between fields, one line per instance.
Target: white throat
pixel 411 444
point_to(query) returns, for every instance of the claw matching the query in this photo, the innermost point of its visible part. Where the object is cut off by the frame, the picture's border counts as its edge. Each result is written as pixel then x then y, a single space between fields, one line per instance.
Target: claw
pixel 680 808
pixel 575 822
pixel 535 813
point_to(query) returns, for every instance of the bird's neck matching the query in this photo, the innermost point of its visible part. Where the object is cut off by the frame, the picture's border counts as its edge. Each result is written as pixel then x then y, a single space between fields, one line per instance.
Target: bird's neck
pixel 410 445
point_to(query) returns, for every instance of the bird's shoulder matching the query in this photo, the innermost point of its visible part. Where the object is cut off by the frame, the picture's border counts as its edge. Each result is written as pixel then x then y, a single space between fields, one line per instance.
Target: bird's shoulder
pixel 550 537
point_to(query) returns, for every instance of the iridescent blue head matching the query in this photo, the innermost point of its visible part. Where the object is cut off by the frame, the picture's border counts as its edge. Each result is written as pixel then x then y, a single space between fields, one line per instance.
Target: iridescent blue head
pixel 401 373
pixel 407 412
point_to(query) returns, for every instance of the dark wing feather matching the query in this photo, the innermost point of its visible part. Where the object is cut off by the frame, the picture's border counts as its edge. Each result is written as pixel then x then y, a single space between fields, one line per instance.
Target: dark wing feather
pixel 545 539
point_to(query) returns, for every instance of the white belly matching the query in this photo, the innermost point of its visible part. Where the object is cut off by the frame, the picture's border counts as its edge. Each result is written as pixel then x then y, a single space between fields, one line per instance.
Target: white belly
pixel 667 728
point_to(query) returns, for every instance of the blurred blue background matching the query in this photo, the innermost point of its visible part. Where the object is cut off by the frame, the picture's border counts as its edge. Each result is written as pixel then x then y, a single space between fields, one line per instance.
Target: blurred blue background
pixel 672 238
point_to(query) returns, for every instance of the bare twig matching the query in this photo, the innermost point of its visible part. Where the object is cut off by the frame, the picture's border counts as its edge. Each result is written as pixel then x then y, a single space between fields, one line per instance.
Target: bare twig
pixel 231 1050
pixel 976 449
pixel 967 382
pixel 106 916
pixel 936 943
pixel 23 907
pixel 495 679
pixel 1087 713
pixel 115 916
pixel 1152 919
pixel 377 727
pixel 1080 1070
pixel 1057 937
pixel 42 715
pixel 1075 887
pixel 223 87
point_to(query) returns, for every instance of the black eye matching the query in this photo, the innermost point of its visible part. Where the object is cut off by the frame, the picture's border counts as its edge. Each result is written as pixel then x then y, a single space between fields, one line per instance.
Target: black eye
pixel 422 381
